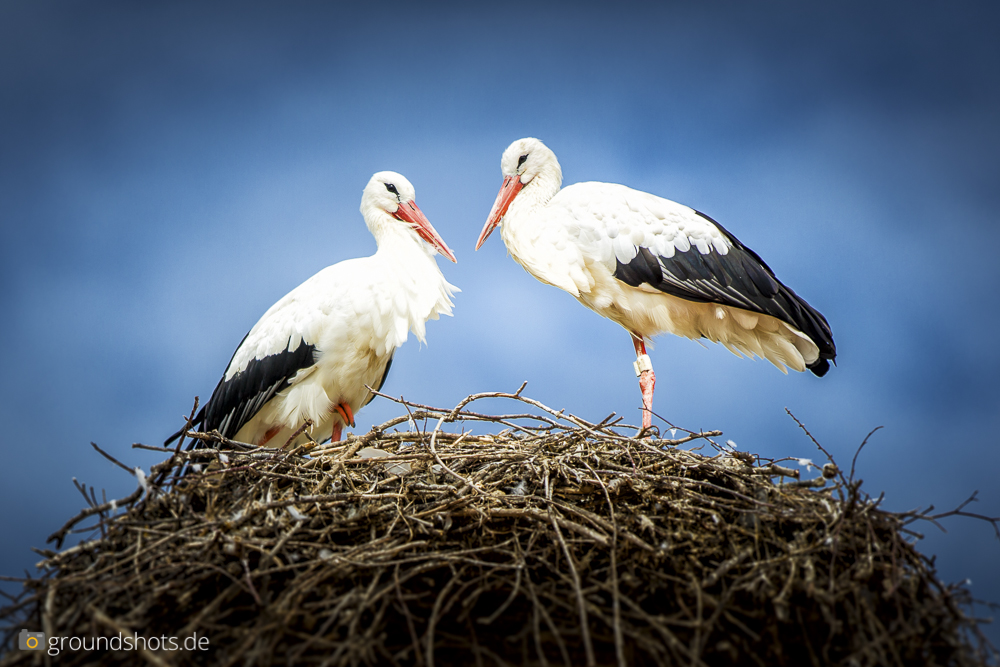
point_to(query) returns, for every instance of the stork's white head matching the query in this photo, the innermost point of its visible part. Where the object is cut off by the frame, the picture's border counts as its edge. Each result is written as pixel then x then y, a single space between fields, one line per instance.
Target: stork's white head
pixel 523 161
pixel 388 200
pixel 527 158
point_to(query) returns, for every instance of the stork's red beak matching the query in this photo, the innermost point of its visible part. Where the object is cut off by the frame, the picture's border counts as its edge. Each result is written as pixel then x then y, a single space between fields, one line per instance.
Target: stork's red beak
pixel 409 212
pixel 511 186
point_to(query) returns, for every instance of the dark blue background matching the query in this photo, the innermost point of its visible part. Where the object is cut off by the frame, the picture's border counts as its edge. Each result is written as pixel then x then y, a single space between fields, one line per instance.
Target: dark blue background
pixel 167 171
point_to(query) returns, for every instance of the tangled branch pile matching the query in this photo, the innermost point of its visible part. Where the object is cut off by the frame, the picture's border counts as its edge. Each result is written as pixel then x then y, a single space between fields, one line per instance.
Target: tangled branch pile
pixel 556 541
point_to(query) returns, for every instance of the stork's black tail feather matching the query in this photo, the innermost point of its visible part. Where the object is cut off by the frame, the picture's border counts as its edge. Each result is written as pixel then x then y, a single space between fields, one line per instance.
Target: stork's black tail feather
pixel 820 367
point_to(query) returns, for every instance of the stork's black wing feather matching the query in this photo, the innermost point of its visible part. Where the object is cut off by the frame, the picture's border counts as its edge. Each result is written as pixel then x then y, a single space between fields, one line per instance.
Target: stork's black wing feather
pixel 235 401
pixel 739 279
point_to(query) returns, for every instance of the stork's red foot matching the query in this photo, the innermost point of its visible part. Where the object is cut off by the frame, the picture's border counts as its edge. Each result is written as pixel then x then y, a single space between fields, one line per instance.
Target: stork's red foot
pixel 345 413
pixel 346 417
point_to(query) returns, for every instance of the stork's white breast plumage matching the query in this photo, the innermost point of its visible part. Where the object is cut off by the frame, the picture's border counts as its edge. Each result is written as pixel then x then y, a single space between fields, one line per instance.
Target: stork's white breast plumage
pixel 313 354
pixel 651 265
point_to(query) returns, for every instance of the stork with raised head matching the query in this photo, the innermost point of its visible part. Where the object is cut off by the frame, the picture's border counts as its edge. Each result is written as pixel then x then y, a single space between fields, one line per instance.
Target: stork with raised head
pixel 651 265
pixel 313 352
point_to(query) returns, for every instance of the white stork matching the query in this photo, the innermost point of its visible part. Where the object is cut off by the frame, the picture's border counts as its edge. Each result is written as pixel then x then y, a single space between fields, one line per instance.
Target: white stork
pixel 312 353
pixel 651 265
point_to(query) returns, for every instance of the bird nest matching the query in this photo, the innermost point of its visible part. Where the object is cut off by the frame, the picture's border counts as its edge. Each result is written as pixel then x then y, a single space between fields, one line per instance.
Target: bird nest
pixel 553 542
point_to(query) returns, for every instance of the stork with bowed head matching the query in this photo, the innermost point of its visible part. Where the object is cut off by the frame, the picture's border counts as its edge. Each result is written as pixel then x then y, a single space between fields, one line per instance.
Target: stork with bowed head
pixel 651 265
pixel 313 352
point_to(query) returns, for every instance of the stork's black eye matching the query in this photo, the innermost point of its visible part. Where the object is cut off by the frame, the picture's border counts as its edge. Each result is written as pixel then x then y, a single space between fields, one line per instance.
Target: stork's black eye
pixel 521 160
pixel 391 188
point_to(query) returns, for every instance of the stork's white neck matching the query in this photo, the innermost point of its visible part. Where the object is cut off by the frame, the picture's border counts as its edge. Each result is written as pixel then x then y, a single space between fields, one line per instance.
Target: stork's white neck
pixel 398 242
pixel 536 234
pixel 537 192
pixel 408 261
pixel 520 226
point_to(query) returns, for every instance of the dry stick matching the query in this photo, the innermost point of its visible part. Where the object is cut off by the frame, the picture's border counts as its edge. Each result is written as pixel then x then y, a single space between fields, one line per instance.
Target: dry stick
pixel 541 517
pixel 863 443
pixel 273 553
pixel 380 597
pixel 820 447
pixel 17 604
pixel 47 610
pixel 658 624
pixel 190 422
pixel 338 464
pixel 109 623
pixel 539 610
pixel 410 436
pixel 347 443
pixel 210 608
pixel 475 397
pixel 725 566
pixel 249 579
pixel 445 465
pixel 471 629
pixel 704 435
pixel 510 598
pixel 135 558
pixel 332 616
pixel 158 480
pixel 413 421
pixel 218 438
pixel 537 628
pixel 82 489
pixel 414 640
pixel 501 419
pixel 775 470
pixel 276 455
pixel 616 594
pixel 582 606
pixel 427 456
pixel 299 431
pixel 429 412
pixel 60 534
pixel 559 415
pixel 112 459
pixel 239 651
pixel 958 511
pixel 432 621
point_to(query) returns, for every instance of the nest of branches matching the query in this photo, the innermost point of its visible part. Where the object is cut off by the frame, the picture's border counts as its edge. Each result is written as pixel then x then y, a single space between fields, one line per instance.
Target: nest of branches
pixel 553 542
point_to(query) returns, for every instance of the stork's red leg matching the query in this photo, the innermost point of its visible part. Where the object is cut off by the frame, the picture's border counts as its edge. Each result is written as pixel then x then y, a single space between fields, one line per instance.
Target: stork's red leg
pixel 647 379
pixel 338 428
pixel 271 432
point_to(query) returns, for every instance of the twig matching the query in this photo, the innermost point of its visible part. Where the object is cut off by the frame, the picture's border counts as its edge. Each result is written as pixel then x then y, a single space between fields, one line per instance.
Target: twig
pixel 615 592
pixel 113 459
pixel 60 534
pixel 444 465
pixel 863 443
pixel 958 511
pixel 577 589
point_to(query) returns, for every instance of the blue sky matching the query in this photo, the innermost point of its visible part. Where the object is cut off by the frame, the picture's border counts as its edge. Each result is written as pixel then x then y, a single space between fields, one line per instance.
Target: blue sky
pixel 169 170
